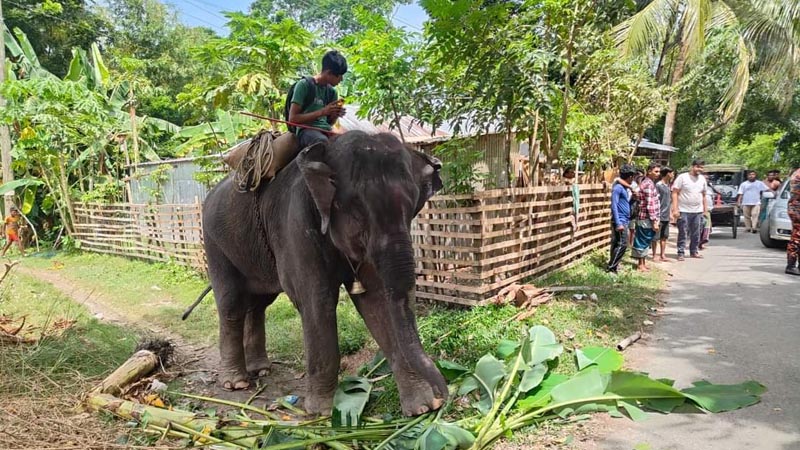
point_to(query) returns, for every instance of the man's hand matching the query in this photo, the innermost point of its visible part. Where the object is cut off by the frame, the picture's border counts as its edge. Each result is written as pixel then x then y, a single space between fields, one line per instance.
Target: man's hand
pixel 620 228
pixel 333 109
pixel 656 225
pixel 675 214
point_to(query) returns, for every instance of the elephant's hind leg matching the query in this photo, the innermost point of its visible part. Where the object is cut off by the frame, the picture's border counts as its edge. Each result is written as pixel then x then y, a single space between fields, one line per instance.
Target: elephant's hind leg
pixel 255 341
pixel 232 305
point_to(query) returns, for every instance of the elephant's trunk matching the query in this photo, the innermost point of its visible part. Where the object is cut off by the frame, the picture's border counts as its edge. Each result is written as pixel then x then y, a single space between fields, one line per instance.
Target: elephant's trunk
pixel 395 264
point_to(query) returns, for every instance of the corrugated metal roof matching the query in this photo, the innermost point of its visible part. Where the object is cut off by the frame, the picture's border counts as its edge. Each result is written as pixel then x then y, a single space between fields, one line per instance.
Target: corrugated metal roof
pixel 656 146
pixel 412 129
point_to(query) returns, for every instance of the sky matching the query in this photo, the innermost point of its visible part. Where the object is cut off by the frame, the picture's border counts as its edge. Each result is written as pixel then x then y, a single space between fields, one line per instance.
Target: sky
pixel 208 13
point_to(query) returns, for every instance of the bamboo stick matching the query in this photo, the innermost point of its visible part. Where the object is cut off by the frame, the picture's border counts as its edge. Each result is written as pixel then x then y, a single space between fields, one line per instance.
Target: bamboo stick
pixel 137 366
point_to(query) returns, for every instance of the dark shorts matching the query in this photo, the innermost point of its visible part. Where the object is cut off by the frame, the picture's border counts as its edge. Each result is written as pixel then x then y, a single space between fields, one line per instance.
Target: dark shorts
pixel 663 231
pixel 309 137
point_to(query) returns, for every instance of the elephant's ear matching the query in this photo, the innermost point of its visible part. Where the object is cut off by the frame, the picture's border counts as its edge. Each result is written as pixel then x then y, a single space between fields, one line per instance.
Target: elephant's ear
pixel 427 174
pixel 319 178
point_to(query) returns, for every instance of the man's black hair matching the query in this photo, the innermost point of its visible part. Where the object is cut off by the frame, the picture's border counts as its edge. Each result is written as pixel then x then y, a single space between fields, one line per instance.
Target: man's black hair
pixel 334 62
pixel 752 171
pixel 666 170
pixel 652 166
pixel 626 171
pixel 773 172
pixel 698 162
pixel 568 170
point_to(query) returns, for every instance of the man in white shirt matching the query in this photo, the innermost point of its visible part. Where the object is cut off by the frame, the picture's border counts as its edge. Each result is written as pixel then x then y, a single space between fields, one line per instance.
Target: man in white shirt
pixel 688 207
pixel 749 200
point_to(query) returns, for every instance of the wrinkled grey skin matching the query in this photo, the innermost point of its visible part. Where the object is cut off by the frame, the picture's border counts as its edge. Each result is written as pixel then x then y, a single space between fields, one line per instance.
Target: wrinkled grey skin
pixel 354 197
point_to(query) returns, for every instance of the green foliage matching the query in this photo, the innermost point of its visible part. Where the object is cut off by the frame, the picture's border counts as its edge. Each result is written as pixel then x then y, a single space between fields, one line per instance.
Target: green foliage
pixel 54 28
pixel 330 19
pixel 606 359
pixel 249 69
pixel 386 63
pixel 464 336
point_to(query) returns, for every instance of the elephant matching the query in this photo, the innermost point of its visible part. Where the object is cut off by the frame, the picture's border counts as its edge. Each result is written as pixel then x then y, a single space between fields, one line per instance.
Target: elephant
pixel 340 212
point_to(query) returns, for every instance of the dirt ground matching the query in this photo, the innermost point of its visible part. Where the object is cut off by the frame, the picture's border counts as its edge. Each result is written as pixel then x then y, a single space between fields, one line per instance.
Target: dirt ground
pixel 195 365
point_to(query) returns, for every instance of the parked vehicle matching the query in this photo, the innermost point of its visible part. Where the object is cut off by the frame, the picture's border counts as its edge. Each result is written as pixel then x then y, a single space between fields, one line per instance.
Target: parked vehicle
pixel 725 212
pixel 727 177
pixel 776 230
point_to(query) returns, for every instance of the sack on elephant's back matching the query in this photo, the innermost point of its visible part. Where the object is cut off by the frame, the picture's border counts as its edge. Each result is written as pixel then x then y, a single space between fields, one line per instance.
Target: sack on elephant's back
pixel 260 158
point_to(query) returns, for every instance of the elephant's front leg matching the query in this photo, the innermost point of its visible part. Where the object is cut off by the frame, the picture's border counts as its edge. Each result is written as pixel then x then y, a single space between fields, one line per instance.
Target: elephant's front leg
pixel 322 351
pixel 422 387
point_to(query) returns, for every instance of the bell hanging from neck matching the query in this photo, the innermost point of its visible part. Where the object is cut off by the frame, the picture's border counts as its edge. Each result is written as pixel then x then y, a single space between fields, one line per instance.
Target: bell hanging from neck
pixel 357 288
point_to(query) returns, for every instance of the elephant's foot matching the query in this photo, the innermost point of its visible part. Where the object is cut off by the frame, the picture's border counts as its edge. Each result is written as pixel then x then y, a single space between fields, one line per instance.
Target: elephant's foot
pixel 418 396
pixel 319 404
pixel 259 367
pixel 234 381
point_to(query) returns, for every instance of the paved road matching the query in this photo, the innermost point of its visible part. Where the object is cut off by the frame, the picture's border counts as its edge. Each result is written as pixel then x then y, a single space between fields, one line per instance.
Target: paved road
pixel 734 316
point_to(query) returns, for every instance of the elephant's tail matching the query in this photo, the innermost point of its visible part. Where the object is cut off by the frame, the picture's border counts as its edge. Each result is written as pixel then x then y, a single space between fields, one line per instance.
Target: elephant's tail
pixel 196 302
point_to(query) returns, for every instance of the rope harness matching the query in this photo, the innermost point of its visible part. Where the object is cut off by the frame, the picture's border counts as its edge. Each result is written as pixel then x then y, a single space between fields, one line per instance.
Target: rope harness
pixel 255 164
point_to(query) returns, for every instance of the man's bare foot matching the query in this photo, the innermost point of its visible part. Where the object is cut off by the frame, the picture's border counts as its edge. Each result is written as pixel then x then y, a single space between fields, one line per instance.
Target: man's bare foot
pixel 664 259
pixel 697 256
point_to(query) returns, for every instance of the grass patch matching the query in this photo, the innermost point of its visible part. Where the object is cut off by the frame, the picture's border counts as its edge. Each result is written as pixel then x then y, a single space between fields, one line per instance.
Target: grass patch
pixel 42 383
pixel 86 350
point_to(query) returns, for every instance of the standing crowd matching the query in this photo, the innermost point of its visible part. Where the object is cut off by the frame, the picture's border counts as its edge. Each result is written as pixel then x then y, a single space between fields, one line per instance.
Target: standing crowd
pixel 645 204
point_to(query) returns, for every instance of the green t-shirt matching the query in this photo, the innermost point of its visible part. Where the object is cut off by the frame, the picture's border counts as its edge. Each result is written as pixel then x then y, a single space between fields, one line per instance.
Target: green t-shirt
pixel 323 92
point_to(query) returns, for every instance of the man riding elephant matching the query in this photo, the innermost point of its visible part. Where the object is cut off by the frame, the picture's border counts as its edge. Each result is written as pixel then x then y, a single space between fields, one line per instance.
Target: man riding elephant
pixel 313 101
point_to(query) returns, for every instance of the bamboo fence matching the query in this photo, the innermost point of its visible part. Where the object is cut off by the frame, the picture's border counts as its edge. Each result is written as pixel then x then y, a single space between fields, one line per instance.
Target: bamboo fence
pixel 163 233
pixel 467 247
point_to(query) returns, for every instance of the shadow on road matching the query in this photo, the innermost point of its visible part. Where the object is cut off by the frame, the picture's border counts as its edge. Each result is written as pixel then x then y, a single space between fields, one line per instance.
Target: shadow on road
pixel 731 317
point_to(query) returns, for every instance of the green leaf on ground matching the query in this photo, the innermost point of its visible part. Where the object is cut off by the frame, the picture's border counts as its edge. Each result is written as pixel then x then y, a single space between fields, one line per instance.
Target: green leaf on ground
pixel 664 405
pixel 584 385
pixel 542 346
pixel 349 401
pixel 506 348
pixel 451 370
pixel 634 412
pixel 532 377
pixel 725 397
pixel 488 373
pixel 444 436
pixel 636 385
pixel 606 359
pixel 541 396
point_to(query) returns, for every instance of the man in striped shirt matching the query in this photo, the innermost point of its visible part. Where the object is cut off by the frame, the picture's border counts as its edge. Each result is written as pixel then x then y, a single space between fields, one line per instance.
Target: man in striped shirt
pixel 649 219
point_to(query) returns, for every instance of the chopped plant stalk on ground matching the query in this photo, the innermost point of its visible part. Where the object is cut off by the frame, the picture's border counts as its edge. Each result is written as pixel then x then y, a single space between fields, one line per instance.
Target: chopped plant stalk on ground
pixel 512 389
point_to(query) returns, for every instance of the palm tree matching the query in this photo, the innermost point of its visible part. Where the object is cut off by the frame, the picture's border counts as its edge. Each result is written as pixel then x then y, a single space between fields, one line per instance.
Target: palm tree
pixel 676 30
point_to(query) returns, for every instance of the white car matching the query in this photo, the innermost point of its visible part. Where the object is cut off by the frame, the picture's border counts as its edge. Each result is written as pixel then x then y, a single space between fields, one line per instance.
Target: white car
pixel 777 226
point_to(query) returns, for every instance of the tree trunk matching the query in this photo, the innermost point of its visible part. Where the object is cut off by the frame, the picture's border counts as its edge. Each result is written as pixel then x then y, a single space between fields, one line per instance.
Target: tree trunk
pixel 672 106
pixel 567 74
pixel 396 116
pixel 533 155
pixel 65 197
pixel 134 131
pixel 5 139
